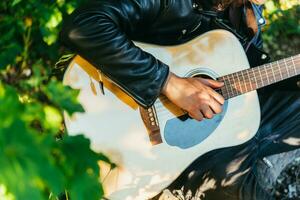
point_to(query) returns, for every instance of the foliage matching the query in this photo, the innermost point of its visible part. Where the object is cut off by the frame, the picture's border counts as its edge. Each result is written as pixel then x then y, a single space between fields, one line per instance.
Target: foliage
pixel 282 33
pixel 38 160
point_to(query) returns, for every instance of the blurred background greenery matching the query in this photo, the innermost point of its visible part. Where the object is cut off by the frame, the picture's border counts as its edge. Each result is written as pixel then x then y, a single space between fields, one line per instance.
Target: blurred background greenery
pixel 37 159
pixel 282 33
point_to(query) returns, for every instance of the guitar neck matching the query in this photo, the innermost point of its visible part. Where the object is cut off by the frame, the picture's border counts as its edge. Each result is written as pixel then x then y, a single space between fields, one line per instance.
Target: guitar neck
pixel 254 78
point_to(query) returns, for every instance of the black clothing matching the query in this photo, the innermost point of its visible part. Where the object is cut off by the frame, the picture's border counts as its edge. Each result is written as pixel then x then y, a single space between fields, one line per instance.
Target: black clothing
pixel 102 31
pixel 247 171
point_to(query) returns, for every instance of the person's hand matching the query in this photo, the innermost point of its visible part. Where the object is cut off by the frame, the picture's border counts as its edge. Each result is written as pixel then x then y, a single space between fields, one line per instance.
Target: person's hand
pixel 194 95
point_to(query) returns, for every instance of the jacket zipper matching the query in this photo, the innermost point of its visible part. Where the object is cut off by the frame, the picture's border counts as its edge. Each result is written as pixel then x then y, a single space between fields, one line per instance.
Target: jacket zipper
pixel 101 85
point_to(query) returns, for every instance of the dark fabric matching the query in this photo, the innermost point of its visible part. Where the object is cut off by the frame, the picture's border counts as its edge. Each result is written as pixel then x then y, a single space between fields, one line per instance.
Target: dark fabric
pixel 241 172
pixel 101 31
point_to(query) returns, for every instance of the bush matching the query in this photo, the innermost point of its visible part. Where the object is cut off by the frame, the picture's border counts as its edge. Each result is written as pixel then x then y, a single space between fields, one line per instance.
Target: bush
pixel 38 160
pixel 282 33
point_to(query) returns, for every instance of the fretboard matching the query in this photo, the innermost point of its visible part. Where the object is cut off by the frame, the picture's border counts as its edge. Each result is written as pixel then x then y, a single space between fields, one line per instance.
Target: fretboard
pixel 254 78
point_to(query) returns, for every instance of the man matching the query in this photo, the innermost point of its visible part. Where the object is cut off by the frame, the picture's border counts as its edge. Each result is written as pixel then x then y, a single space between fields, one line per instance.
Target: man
pixel 102 32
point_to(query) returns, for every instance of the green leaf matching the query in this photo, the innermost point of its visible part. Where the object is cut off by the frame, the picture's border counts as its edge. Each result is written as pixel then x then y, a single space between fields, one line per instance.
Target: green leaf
pixel 9 54
pixel 33 163
pixel 64 96
pixel 84 178
pixel 26 163
pixel 15 2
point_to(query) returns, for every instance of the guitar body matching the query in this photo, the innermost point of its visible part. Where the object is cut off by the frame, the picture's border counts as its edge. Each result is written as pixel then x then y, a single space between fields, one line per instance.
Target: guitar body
pixel 113 123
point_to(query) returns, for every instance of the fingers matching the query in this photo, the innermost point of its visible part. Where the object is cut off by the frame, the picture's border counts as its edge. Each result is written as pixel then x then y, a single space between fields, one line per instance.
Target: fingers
pixel 220 99
pixel 207 112
pixel 211 83
pixel 196 114
pixel 215 106
pixel 195 95
pixel 204 112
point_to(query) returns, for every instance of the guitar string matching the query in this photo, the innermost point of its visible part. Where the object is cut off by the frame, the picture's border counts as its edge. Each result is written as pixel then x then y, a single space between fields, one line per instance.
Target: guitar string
pixel 276 69
pixel 161 105
pixel 162 112
pixel 257 82
pixel 235 77
pixel 245 82
pixel 236 81
pixel 261 82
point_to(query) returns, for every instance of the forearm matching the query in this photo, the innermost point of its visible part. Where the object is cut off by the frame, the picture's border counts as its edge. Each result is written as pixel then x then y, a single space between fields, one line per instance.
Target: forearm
pixel 97 37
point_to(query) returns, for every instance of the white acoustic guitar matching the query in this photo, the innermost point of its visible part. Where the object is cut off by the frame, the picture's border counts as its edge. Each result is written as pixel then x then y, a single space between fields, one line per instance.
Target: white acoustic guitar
pixel 151 156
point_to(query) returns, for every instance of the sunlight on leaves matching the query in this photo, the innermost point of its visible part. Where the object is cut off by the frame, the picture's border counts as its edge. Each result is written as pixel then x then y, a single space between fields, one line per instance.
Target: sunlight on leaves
pixel 37 157
pixel 63 96
pixel 53 118
pixel 270 6
pixel 15 2
pixel 4 195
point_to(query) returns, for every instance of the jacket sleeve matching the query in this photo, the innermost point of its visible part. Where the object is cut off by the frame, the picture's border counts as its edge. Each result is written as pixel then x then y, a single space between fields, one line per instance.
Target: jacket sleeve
pixel 96 32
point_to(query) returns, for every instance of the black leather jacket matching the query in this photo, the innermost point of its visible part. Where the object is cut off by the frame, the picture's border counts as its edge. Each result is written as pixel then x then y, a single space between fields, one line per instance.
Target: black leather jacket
pixel 102 30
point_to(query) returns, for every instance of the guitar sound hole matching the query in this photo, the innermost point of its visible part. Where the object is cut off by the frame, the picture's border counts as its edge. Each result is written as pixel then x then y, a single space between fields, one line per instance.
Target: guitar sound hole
pixel 202 76
pixel 185 132
pixel 186 116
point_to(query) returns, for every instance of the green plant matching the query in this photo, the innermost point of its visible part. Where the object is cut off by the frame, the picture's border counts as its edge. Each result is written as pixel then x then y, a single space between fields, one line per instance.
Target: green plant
pixel 38 160
pixel 282 33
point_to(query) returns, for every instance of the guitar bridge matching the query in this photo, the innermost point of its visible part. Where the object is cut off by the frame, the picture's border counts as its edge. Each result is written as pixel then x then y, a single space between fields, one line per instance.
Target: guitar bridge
pixel 149 118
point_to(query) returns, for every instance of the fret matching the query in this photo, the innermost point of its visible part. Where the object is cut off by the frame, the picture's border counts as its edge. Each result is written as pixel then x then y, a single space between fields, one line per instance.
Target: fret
pixel 271 78
pixel 240 74
pixel 294 65
pixel 264 66
pixel 254 77
pixel 290 68
pixel 280 73
pixel 261 78
pixel 249 80
pixel 227 85
pixel 226 92
pixel 290 72
pixel 232 85
pixel 287 69
pixel 245 80
pixel 293 68
pixel 224 89
pixel 238 87
pixel 273 72
pixel 258 77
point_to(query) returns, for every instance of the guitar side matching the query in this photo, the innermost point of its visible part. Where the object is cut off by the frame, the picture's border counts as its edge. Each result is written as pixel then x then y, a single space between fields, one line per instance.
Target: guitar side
pixel 113 123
